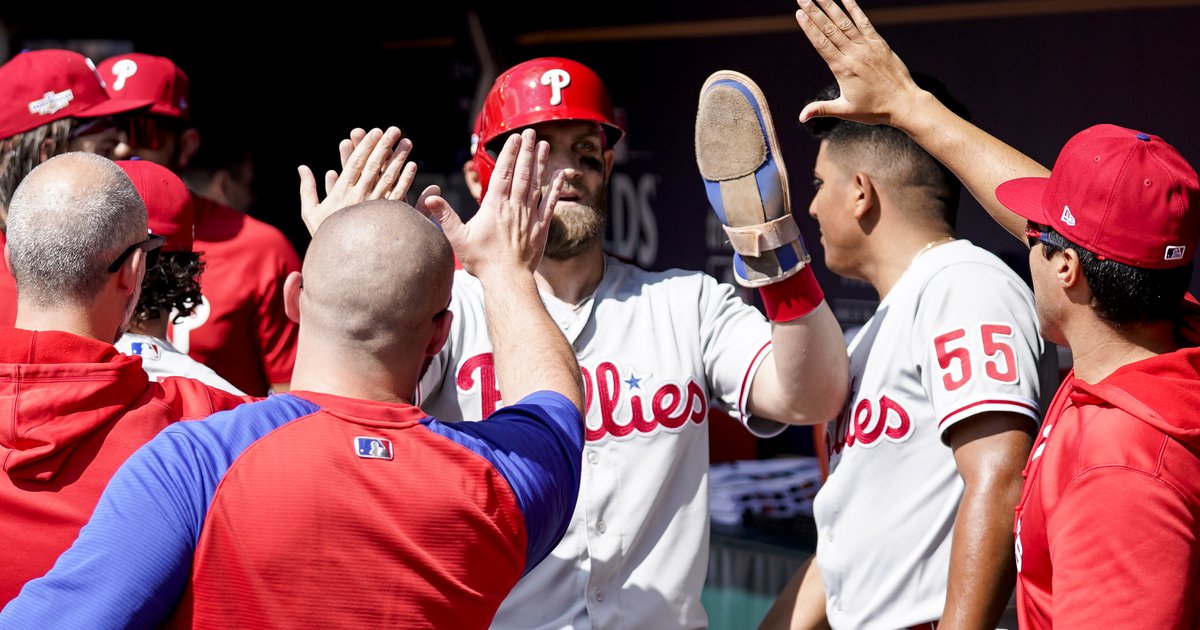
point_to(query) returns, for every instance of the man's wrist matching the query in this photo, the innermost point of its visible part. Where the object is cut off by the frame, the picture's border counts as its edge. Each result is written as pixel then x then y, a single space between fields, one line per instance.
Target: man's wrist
pixel 913 115
pixel 793 298
pixel 504 277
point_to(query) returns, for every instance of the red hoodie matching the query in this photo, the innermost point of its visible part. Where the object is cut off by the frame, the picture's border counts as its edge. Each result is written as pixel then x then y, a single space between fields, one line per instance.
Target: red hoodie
pixel 72 409
pixel 1108 524
pixel 8 290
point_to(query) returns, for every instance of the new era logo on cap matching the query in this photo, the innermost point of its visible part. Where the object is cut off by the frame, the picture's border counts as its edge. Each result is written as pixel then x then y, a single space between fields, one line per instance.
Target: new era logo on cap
pixel 373 447
pixel 1067 217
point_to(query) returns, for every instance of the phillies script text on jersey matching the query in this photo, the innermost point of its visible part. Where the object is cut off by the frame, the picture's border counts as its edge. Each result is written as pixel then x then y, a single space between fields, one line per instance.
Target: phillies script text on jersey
pixel 670 406
pixel 866 421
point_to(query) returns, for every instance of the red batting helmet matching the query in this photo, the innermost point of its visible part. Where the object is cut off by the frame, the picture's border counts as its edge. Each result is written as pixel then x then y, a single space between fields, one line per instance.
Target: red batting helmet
pixel 538 90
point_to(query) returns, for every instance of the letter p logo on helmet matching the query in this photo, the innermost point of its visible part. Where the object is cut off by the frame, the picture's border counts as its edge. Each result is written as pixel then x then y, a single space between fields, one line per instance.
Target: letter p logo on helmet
pixel 557 79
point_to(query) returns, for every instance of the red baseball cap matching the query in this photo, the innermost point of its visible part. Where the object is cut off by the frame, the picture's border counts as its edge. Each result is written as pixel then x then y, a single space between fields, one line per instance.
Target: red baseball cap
pixel 1120 193
pixel 168 202
pixel 157 79
pixel 42 86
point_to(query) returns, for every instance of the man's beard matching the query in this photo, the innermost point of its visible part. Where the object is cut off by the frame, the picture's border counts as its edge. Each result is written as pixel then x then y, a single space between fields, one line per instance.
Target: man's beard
pixel 575 231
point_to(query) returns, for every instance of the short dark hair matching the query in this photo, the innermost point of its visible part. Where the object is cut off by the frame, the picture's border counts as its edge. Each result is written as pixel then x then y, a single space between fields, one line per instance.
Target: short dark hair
pixel 173 285
pixel 925 169
pixel 1124 294
pixel 223 149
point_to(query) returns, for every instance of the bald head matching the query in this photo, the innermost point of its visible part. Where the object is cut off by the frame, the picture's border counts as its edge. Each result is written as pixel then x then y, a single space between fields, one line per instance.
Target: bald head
pixel 375 275
pixel 68 221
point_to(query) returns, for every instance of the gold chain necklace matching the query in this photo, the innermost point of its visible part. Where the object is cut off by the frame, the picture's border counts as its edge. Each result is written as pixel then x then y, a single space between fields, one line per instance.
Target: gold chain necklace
pixel 930 245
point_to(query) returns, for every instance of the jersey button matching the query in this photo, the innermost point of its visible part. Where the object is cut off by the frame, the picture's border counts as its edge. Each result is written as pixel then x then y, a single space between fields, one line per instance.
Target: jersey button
pixel 599 595
pixel 593 457
pixel 601 527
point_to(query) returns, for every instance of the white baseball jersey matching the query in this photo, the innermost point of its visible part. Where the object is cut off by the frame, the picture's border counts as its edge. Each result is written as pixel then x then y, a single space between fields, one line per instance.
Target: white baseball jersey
pixel 160 359
pixel 654 348
pixel 956 336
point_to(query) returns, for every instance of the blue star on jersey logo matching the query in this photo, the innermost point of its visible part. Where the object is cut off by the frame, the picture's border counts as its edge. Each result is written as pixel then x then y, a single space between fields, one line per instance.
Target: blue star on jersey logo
pixel 634 382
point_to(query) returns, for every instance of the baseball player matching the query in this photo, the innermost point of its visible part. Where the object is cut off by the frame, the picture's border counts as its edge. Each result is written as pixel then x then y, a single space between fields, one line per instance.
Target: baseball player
pixel 73 408
pixel 341 504
pixel 1105 529
pixel 170 288
pixel 925 459
pixel 240 329
pixel 655 349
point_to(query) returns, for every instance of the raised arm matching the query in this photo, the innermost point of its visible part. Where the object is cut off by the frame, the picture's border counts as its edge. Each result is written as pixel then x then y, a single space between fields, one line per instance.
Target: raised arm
pixel 877 89
pixel 374 166
pixel 502 246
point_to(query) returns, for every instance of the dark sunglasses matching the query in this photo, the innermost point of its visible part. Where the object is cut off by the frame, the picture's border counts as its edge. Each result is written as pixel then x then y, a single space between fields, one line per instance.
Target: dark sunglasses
pixel 152 246
pixel 1035 233
pixel 146 131
pixel 91 126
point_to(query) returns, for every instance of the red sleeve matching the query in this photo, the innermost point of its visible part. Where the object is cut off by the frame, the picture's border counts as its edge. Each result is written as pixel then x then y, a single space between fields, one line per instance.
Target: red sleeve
pixel 1124 552
pixel 276 333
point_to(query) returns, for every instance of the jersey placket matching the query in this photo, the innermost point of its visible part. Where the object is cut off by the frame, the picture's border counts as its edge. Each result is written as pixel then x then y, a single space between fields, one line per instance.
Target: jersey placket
pixel 599 486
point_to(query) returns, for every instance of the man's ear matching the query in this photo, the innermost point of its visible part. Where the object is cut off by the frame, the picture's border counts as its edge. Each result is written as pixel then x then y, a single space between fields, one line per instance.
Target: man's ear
pixel 48 150
pixel 866 196
pixel 129 276
pixel 293 285
pixel 218 186
pixel 609 155
pixel 474 183
pixel 189 143
pixel 441 332
pixel 1068 271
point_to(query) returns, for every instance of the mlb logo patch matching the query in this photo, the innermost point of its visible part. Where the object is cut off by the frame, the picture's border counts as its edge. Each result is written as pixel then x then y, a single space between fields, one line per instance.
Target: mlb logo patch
pixel 373 447
pixel 1175 252
pixel 146 350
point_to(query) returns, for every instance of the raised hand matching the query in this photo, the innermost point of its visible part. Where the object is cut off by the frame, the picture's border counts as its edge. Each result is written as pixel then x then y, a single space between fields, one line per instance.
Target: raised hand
pixel 875 84
pixel 509 231
pixel 374 166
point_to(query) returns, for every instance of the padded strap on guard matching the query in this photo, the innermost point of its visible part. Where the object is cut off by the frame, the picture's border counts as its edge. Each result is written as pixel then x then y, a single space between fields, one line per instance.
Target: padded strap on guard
pixel 753 240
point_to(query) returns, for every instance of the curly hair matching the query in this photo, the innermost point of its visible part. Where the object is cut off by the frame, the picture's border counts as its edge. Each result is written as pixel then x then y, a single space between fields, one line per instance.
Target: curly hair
pixel 173 285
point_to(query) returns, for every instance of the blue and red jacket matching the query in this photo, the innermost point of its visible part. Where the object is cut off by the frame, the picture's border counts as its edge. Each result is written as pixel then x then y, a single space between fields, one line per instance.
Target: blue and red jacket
pixel 310 510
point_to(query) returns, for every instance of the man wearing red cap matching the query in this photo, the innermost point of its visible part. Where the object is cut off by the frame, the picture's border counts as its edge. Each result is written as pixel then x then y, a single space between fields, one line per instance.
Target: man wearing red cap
pixel 72 408
pixel 54 101
pixel 654 347
pixel 1106 528
pixel 171 288
pixel 240 330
